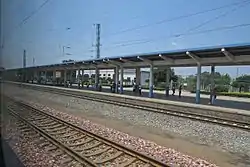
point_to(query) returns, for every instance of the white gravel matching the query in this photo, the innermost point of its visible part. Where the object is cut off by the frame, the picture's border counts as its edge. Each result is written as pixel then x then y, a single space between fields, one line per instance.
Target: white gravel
pixel 24 147
pixel 232 140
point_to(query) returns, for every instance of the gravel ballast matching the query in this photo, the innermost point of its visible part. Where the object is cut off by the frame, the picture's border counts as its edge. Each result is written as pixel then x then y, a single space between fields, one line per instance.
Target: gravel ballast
pixel 232 140
pixel 29 153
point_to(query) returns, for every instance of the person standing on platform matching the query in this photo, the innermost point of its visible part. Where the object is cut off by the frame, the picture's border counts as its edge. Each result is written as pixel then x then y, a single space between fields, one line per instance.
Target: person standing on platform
pixel 139 87
pixel 173 90
pixel 180 89
pixel 111 87
pixel 213 96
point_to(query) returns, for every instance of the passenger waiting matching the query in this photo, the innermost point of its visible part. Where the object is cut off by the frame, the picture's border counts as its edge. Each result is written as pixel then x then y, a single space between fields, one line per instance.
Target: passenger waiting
pixel 180 89
pixel 111 87
pixel 173 90
pixel 114 87
pixel 139 88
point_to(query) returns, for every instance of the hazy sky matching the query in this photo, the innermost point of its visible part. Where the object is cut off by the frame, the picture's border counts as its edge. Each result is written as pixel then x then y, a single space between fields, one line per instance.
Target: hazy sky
pixel 44 34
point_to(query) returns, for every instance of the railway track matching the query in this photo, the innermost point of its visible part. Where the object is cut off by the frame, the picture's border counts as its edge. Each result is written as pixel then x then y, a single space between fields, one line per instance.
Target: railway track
pixel 194 116
pixel 72 145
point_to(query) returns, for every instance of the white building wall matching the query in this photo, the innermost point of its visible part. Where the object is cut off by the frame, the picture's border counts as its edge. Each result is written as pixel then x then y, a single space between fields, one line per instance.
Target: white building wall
pixel 128 73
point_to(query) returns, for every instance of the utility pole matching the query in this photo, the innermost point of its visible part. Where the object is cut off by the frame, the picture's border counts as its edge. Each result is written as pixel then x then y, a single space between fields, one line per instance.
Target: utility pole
pixel 24 58
pixel 237 72
pixel 98 32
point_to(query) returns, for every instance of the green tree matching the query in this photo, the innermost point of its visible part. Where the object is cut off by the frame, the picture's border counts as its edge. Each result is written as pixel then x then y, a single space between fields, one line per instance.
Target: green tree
pixel 160 75
pixel 222 82
pixel 242 82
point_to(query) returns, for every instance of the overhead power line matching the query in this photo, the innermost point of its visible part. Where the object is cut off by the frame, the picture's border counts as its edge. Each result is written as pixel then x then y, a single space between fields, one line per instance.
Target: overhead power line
pixel 28 17
pixel 183 34
pixel 243 4
pixel 33 13
pixel 175 18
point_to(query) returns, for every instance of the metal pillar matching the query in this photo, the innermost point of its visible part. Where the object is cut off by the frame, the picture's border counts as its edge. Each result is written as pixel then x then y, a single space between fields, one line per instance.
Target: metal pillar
pixel 116 79
pixel 71 78
pixel 168 70
pixel 198 84
pixel 121 81
pixel 96 78
pixel 82 77
pixel 39 77
pixel 34 76
pixel 138 78
pixel 138 75
pixel 65 78
pixel 45 76
pixel 212 84
pixel 151 82
pixel 78 78
pixel 54 77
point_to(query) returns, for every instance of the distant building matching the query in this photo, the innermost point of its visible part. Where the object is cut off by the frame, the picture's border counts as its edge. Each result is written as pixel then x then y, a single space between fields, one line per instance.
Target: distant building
pixel 128 75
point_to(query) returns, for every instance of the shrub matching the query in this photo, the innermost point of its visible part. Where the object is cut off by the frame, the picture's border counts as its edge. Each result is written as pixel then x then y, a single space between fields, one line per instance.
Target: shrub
pixel 232 94
pixel 221 88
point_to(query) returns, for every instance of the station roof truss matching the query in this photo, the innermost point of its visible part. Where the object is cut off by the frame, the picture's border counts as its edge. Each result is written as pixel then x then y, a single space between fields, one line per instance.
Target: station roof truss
pixel 220 55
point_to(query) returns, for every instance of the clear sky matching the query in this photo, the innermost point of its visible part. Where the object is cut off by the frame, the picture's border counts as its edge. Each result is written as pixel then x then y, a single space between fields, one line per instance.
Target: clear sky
pixel 44 34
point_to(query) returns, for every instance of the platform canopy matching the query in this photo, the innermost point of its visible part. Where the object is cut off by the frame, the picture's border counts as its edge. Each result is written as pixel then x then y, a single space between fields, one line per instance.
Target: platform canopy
pixel 227 55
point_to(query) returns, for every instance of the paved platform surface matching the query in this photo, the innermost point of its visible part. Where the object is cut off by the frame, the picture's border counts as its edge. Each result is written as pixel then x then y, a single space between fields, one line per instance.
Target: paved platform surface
pixel 221 101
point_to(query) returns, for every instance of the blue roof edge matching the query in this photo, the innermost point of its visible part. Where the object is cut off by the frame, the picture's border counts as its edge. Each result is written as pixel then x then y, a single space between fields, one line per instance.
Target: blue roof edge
pixel 160 52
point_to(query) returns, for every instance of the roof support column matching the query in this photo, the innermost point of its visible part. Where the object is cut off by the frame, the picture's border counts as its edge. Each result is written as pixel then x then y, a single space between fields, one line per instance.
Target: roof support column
pixel 65 78
pixel 137 78
pixel 96 78
pixel 198 84
pixel 212 93
pixel 79 78
pixel 54 77
pixel 71 77
pixel 116 79
pixel 35 76
pixel 45 76
pixel 82 79
pixel 38 77
pixel 197 59
pixel 121 80
pixel 168 71
pixel 151 82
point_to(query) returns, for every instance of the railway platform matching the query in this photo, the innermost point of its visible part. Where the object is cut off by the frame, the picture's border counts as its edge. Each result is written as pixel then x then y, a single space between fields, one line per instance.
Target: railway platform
pixel 238 106
pixel 221 101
